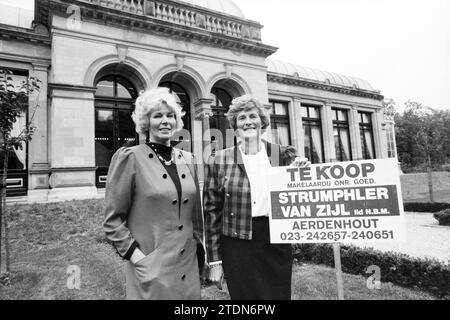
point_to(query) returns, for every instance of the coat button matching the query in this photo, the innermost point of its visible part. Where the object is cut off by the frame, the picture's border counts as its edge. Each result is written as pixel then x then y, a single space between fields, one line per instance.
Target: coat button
pixel 182 251
pixel 174 201
pixel 183 277
pixel 186 200
pixel 150 155
pixel 179 156
pixel 164 176
pixel 183 176
pixel 180 227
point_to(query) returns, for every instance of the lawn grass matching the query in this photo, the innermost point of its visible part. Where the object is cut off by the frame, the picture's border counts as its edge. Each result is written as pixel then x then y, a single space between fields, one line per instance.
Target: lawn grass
pixel 48 238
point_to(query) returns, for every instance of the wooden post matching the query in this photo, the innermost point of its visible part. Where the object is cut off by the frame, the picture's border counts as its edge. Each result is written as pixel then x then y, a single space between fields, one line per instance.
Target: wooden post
pixel 337 267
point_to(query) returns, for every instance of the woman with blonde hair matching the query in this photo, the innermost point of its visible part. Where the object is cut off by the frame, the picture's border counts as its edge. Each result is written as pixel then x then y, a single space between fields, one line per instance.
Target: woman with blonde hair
pixel 236 207
pixel 153 211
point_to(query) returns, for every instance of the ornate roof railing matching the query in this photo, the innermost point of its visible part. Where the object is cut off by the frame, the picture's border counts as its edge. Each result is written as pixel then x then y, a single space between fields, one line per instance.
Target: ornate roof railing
pixel 171 17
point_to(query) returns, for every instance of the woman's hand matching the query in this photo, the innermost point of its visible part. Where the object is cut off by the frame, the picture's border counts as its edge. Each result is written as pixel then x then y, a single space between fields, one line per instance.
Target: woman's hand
pixel 137 256
pixel 300 162
pixel 216 275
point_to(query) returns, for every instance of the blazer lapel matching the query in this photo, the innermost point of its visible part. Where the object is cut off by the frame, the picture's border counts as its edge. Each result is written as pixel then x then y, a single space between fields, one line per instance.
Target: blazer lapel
pixel 238 158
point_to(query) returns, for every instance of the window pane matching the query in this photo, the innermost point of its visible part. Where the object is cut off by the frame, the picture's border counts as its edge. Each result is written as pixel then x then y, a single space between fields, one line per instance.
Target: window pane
pixel 281 108
pixel 104 137
pixel 345 144
pixel 105 88
pixel 365 117
pixel 334 114
pixel 122 92
pixel 224 97
pixel 127 134
pixel 304 112
pixel 17 157
pixel 314 112
pixel 316 144
pixel 342 115
pixel 307 142
pixel 366 144
pixel 368 137
pixel 283 134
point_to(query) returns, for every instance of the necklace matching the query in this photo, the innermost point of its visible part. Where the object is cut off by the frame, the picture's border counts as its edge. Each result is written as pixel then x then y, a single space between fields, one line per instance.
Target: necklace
pixel 166 162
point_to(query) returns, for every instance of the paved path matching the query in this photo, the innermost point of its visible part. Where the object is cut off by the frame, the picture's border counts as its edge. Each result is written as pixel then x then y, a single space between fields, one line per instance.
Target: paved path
pixel 424 238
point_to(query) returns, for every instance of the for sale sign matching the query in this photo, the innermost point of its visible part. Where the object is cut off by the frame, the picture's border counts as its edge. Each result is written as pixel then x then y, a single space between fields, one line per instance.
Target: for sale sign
pixel 355 201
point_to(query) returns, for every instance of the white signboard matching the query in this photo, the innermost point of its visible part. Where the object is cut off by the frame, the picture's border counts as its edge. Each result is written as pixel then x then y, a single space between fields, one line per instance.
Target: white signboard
pixel 355 201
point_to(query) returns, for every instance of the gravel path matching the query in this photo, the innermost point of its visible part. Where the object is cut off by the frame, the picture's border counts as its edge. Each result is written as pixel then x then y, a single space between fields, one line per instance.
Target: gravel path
pixel 424 238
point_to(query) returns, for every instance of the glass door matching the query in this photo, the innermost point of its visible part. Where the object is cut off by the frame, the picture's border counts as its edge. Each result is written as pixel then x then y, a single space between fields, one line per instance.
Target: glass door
pixel 114 127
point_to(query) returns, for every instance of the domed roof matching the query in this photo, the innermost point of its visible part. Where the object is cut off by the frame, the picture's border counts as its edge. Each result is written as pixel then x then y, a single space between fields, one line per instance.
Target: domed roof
pixel 223 6
pixel 290 69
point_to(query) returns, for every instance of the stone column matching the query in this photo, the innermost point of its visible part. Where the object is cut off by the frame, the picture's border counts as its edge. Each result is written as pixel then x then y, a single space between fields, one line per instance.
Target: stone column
pixel 328 135
pixel 201 134
pixel 72 145
pixel 355 136
pixel 38 163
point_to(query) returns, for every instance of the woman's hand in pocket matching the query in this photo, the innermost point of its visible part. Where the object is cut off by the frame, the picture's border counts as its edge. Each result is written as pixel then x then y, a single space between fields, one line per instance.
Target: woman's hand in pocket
pixel 137 256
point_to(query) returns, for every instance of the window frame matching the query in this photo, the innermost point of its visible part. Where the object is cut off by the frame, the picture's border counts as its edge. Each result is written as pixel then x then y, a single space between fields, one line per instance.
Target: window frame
pixel 363 128
pixel 309 122
pixel 342 125
pixel 276 119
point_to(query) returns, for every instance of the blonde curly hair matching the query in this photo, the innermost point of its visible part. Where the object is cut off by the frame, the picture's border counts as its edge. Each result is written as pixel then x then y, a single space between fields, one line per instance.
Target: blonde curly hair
pixel 151 99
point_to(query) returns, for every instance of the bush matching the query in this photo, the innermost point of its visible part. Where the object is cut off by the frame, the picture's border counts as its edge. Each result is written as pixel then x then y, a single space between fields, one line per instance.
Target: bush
pixel 426 274
pixel 425 206
pixel 443 217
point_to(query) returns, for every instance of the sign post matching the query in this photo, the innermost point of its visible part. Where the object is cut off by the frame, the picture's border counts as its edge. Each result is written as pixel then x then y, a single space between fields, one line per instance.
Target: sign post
pixel 338 268
pixel 345 202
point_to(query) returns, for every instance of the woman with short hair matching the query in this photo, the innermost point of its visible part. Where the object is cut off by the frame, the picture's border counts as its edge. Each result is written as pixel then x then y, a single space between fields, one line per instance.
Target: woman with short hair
pixel 153 211
pixel 236 208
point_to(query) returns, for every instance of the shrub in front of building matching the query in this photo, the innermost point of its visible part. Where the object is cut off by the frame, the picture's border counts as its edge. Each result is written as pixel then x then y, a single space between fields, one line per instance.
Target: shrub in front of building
pixel 443 217
pixel 429 275
pixel 425 206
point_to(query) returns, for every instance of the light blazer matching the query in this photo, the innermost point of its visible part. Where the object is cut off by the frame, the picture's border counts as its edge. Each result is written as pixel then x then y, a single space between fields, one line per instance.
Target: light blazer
pixel 227 206
pixel 142 207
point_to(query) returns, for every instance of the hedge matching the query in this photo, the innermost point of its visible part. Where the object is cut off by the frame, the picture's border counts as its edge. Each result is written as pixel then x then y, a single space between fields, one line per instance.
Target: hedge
pixel 425 206
pixel 426 274
pixel 443 217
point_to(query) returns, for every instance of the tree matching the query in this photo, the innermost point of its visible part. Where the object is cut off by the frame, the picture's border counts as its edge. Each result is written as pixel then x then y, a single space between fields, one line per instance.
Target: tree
pixel 13 105
pixel 422 135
